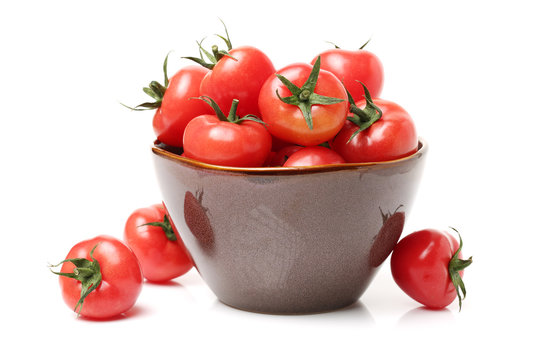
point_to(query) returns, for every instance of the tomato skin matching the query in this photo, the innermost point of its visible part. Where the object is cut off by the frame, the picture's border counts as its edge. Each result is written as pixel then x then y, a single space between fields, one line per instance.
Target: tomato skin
pixel 239 78
pixel 121 278
pixel 279 157
pixel 287 122
pixel 314 155
pixel 161 259
pixel 217 142
pixel 419 266
pixel 391 137
pixel 177 108
pixel 351 66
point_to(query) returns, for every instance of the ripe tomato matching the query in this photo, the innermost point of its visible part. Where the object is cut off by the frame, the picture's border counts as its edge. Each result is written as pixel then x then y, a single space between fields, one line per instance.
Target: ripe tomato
pixel 176 108
pixel 303 104
pixel 227 141
pixel 391 134
pixel 427 266
pixel 159 248
pixel 172 103
pixel 279 157
pixel 100 278
pixel 238 76
pixel 352 66
pixel 314 155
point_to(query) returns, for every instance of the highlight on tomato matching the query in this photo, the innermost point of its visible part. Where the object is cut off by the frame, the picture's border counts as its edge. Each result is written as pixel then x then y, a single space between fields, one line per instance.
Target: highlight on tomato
pixel 354 66
pixel 227 140
pixel 303 104
pixel 375 130
pixel 151 235
pixel 100 278
pixel 172 103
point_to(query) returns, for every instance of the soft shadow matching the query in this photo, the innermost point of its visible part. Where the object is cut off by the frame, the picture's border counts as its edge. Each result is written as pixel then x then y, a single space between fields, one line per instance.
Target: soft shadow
pixel 355 314
pixel 168 283
pixel 423 316
pixel 135 311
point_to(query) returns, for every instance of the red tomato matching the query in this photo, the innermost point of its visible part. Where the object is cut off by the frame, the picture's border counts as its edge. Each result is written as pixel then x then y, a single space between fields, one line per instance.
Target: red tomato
pixel 279 157
pixel 159 248
pixel 100 278
pixel 303 120
pixel 391 137
pixel 352 66
pixel 217 140
pixel 177 108
pixel 427 266
pixel 238 76
pixel 314 155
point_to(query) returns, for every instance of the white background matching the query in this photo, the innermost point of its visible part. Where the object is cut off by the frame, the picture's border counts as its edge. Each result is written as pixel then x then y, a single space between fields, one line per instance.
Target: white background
pixel 75 164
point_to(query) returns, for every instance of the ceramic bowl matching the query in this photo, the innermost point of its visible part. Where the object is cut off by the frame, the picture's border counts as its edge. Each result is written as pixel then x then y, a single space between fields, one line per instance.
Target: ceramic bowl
pixel 288 240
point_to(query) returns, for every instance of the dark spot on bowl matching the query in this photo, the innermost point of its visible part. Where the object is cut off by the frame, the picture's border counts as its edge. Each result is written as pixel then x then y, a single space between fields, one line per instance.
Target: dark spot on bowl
pixel 387 237
pixel 196 217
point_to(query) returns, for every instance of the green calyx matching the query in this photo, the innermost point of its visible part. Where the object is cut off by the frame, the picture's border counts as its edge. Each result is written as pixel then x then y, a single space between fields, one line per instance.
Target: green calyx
pixel 166 226
pixel 216 54
pixel 88 272
pixel 363 118
pixel 304 97
pixel 361 47
pixel 454 267
pixel 232 117
pixel 155 90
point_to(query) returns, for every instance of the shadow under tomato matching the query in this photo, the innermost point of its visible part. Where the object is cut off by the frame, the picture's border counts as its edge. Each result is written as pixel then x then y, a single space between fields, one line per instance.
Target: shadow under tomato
pixel 424 316
pixel 135 311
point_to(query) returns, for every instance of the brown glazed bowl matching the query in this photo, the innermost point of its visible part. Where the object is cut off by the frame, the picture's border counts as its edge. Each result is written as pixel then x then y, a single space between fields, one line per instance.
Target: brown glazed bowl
pixel 288 240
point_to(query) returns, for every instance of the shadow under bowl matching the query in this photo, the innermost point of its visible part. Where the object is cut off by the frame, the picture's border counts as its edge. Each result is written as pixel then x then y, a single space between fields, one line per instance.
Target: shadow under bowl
pixel 288 240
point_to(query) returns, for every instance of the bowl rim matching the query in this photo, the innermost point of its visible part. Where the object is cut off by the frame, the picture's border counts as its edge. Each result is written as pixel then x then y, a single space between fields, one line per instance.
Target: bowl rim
pixel 281 170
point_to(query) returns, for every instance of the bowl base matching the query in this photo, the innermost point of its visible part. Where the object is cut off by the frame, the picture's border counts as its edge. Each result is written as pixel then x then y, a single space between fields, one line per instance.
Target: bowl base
pixel 292 312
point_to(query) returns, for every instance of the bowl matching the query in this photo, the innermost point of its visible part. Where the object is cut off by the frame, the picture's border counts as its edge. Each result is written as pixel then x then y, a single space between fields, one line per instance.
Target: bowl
pixel 288 240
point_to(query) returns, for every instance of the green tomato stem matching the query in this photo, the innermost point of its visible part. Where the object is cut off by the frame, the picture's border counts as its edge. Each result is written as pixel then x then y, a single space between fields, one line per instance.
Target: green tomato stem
pixel 166 226
pixel 454 267
pixel 88 272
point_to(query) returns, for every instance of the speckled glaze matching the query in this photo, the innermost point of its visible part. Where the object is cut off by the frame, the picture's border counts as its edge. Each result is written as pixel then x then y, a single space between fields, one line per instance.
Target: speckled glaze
pixel 288 240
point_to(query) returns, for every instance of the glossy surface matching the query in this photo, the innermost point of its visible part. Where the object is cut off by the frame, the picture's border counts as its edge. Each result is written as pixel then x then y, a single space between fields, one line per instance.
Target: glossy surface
pixel 287 240
pixel 178 108
pixel 352 66
pixel 211 140
pixel 162 256
pixel 420 267
pixel 239 76
pixel 287 122
pixel 393 136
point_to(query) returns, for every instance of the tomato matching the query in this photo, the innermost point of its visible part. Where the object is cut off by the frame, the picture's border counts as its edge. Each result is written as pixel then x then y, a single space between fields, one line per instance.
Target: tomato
pixel 237 73
pixel 303 104
pixel 227 141
pixel 352 66
pixel 177 108
pixel 427 265
pixel 279 157
pixel 238 76
pixel 160 250
pixel 174 108
pixel 100 278
pixel 314 155
pixel 391 133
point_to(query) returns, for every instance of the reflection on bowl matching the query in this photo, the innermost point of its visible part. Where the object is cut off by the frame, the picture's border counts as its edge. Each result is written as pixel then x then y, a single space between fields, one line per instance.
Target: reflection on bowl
pixel 288 240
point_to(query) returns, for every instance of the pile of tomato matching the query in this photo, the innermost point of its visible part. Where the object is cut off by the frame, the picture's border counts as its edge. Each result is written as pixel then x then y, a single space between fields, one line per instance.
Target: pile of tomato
pixel 232 108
